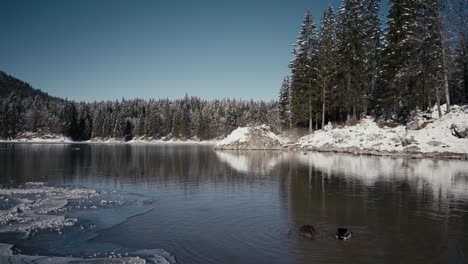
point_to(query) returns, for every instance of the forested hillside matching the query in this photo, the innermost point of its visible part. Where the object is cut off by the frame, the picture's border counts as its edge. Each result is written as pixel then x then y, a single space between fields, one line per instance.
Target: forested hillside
pixel 25 109
pixel 355 64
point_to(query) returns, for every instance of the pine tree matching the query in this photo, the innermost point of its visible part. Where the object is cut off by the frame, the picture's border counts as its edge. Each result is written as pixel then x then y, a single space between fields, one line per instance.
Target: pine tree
pixel 434 8
pixel 456 20
pixel 327 55
pixel 70 121
pixel 284 104
pixel 85 126
pixel 431 58
pixel 460 75
pixel 400 62
pixel 13 115
pixel 373 46
pixel 304 74
pixel 351 50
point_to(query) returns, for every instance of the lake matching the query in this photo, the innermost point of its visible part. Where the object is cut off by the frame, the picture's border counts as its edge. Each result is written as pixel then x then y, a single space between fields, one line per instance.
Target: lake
pixel 206 206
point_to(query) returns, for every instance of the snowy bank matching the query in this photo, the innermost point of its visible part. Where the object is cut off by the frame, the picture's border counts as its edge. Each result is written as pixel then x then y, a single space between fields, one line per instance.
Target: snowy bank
pixel 28 137
pixel 433 137
pixel 145 140
pixel 251 138
pixel 39 138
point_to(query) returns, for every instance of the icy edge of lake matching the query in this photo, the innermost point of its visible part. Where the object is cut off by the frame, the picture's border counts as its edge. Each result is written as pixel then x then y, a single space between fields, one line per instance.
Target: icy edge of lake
pixel 159 256
pixel 35 206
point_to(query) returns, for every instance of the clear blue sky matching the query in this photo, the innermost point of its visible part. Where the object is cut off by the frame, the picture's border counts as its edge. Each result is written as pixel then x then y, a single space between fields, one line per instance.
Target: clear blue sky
pixel 109 49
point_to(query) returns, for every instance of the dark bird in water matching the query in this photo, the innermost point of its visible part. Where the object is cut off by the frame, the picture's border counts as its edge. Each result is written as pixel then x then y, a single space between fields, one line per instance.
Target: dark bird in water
pixel 308 231
pixel 343 234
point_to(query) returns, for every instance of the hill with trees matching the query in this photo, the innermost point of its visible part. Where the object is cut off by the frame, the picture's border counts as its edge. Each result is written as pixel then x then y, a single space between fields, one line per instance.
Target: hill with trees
pixel 24 109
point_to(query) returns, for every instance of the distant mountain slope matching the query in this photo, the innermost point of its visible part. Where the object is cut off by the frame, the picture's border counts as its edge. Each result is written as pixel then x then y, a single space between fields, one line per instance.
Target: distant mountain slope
pixel 9 83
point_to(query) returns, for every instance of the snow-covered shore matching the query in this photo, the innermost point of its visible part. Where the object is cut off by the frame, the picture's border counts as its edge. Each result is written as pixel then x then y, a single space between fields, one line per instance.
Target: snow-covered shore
pixel 433 137
pixel 60 139
pixel 426 136
pixel 29 137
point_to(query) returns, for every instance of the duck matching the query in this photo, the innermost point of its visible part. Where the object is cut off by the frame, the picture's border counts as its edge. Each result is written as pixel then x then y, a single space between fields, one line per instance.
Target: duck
pixel 308 231
pixel 343 234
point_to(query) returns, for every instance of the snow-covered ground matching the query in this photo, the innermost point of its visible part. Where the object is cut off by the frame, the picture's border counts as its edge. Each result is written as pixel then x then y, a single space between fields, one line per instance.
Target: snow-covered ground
pixel 426 136
pixel 171 141
pixel 260 137
pixel 434 137
pixel 28 137
pixel 39 138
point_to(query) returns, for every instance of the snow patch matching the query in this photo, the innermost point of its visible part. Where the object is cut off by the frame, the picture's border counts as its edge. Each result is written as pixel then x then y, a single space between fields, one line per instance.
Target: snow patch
pixel 260 137
pixel 40 138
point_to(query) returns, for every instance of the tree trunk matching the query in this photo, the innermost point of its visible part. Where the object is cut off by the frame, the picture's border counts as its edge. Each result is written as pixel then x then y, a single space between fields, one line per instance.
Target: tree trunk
pixel 348 88
pixel 323 106
pixel 465 80
pixel 438 101
pixel 444 61
pixel 290 121
pixel 429 103
pixel 310 116
pixel 316 120
pixel 446 82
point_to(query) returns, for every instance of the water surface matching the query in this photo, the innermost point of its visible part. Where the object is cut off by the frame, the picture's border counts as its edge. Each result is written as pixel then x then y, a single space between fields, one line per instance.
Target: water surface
pixel 206 206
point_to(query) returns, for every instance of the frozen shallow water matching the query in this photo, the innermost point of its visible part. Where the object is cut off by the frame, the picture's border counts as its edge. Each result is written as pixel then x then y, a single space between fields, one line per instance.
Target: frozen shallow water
pixel 204 206
pixel 37 208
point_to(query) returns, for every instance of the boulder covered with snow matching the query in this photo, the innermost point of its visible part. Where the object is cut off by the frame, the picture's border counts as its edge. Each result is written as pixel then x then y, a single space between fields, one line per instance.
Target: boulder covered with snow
pixel 460 129
pixel 251 138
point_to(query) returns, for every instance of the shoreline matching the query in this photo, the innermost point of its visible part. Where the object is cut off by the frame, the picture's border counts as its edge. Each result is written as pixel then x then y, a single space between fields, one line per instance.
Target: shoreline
pixel 363 152
pixel 285 147
pixel 109 141
pixel 395 153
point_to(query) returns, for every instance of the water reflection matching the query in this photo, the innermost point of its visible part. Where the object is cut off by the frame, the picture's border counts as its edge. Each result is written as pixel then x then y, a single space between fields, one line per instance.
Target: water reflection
pixel 246 207
pixel 397 205
pixel 446 178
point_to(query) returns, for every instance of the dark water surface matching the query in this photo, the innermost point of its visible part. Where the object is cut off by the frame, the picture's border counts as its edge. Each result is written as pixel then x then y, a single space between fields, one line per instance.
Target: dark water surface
pixel 246 207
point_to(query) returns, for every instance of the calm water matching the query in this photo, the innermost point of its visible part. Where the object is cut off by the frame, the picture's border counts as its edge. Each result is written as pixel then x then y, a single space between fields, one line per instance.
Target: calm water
pixel 246 207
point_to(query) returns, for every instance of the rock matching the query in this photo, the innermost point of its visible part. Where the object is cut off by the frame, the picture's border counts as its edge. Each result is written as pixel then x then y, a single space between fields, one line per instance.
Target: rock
pixel 408 141
pixel 460 130
pixel 412 150
pixel 434 143
pixel 413 125
pixel 250 138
